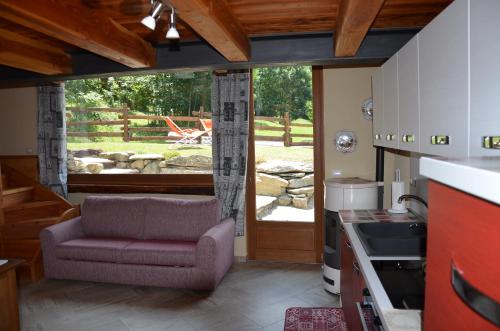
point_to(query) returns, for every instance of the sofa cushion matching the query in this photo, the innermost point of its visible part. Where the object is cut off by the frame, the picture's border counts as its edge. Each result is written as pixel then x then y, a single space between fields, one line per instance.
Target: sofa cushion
pixel 113 217
pixel 92 249
pixel 187 220
pixel 156 252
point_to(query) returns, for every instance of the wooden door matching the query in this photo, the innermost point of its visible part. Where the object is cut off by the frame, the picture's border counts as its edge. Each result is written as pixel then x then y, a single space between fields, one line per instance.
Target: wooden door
pixel 390 126
pixel 378 106
pixel 463 233
pixel 444 64
pixel 281 240
pixel 409 108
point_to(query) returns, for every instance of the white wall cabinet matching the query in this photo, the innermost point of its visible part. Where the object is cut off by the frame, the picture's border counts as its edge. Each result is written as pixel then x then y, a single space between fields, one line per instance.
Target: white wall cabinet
pixel 390 95
pixel 409 97
pixel 443 48
pixel 447 87
pixel 484 77
pixel 378 106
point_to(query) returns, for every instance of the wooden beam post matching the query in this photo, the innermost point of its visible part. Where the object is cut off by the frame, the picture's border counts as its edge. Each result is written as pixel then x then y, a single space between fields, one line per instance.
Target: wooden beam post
pixel 25 53
pixel 80 26
pixel 214 22
pixel 354 20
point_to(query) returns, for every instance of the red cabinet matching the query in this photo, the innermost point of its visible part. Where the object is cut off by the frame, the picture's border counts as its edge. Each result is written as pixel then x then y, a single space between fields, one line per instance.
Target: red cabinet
pixel 463 233
pixel 351 285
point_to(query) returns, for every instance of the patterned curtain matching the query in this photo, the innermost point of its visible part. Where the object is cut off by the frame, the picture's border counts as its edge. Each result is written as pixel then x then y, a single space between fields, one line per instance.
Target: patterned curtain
pixel 52 138
pixel 230 98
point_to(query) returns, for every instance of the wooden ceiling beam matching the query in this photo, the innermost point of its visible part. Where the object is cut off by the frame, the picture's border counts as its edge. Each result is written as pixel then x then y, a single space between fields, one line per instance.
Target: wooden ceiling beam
pixel 214 21
pixel 353 22
pixel 82 27
pixel 25 53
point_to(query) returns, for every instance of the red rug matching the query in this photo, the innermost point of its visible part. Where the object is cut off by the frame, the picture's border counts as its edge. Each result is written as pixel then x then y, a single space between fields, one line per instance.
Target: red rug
pixel 315 319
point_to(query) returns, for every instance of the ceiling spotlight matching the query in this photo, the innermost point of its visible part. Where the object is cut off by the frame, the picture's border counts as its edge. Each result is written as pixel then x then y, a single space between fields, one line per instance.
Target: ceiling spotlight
pixel 150 20
pixel 172 32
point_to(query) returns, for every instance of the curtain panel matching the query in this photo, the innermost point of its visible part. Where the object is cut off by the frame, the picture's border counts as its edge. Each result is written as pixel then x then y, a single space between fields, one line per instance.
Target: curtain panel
pixel 52 154
pixel 230 100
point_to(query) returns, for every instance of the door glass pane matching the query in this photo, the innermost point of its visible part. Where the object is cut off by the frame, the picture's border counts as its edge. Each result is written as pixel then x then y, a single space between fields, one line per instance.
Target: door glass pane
pixel 284 144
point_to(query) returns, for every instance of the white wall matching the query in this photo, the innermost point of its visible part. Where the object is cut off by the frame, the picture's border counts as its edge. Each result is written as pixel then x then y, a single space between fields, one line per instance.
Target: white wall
pixel 18 121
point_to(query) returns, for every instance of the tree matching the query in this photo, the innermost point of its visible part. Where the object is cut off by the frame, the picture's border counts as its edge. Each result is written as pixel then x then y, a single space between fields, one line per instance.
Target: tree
pixel 283 89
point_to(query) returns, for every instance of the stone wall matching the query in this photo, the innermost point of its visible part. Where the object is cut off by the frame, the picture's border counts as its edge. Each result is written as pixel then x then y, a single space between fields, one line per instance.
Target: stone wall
pixel 291 183
pixel 98 162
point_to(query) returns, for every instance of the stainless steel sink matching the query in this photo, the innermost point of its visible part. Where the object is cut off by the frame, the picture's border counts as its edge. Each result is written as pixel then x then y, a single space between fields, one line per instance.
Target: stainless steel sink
pixel 392 239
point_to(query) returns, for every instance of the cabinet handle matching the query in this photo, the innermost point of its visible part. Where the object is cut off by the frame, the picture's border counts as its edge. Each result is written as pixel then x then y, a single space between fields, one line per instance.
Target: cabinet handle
pixel 378 136
pixel 408 138
pixel 355 267
pixel 491 142
pixel 348 245
pixel 389 137
pixel 479 302
pixel 440 140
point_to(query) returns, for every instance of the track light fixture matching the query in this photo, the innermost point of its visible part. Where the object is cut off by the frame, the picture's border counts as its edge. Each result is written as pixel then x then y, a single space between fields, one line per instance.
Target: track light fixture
pixel 154 15
pixel 157 7
pixel 172 32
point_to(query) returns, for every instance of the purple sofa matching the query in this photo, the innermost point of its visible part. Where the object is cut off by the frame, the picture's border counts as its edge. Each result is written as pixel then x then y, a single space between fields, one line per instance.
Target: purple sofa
pixel 142 241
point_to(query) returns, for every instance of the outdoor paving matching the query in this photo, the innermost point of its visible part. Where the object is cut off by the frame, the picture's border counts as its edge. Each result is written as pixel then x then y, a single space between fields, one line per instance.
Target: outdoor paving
pixel 290 214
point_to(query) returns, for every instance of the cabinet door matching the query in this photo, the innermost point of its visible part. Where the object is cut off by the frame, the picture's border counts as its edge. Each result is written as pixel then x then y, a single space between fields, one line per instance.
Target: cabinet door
pixel 443 56
pixel 485 75
pixel 348 285
pixel 409 109
pixel 463 233
pixel 390 126
pixel 378 106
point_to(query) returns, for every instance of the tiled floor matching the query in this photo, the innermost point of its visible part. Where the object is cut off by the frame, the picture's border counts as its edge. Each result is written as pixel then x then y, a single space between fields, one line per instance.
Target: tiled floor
pixel 252 296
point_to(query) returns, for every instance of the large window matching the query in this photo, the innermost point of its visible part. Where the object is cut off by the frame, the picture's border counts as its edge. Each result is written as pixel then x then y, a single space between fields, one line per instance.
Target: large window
pixel 153 124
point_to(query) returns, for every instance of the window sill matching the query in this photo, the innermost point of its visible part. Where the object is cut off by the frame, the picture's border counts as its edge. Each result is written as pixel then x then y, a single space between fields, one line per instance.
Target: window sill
pixel 194 184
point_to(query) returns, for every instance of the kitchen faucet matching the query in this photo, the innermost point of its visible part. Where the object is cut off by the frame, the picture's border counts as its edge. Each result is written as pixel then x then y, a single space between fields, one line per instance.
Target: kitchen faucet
pixel 414 197
pixel 419 199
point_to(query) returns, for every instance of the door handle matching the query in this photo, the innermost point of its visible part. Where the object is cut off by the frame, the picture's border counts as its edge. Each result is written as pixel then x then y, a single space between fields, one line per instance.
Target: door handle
pixel 408 138
pixel 476 300
pixel 355 267
pixel 491 142
pixel 440 140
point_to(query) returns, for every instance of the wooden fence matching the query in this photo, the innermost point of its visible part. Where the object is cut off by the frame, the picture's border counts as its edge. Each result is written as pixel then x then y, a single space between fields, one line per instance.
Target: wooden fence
pixel 130 133
pixel 124 119
pixel 285 126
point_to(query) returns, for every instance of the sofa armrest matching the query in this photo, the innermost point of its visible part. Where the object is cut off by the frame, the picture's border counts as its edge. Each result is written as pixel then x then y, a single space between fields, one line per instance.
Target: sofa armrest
pixel 215 249
pixel 63 231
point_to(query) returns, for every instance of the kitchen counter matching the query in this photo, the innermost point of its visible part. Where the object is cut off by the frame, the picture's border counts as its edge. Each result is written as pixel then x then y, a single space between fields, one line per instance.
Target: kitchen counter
pixel 478 176
pixel 374 216
pixel 392 319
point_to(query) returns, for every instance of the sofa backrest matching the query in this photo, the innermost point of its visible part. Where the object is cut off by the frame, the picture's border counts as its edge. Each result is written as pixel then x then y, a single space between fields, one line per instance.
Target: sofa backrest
pixel 149 218
pixel 113 216
pixel 175 219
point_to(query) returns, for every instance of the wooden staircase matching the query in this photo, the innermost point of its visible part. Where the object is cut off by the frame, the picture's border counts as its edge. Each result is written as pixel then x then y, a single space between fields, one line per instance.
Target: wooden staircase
pixel 26 207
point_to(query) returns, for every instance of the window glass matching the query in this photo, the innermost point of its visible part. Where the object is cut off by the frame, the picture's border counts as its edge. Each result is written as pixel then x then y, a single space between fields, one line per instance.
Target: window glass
pixel 150 124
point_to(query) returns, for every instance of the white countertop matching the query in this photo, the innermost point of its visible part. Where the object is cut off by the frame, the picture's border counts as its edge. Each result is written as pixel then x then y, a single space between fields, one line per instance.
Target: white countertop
pixel 392 319
pixel 478 176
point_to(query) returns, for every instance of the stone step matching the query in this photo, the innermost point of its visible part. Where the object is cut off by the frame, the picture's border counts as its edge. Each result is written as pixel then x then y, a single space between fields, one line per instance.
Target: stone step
pixel 265 205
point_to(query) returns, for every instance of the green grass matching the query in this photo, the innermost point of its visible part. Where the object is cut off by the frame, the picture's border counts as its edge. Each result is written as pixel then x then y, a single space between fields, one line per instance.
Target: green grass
pixel 263 153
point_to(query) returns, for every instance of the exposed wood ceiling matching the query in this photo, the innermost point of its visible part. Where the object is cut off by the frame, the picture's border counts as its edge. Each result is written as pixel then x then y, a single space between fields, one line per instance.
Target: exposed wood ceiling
pixel 112 28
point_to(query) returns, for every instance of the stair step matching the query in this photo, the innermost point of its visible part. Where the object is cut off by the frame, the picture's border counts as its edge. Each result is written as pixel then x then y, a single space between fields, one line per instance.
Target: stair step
pixel 31 210
pixel 3 179
pixel 17 195
pixel 29 229
pixel 25 249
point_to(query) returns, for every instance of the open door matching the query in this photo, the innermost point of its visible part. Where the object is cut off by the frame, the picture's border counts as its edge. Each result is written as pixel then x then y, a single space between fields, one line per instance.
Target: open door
pixel 285 181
